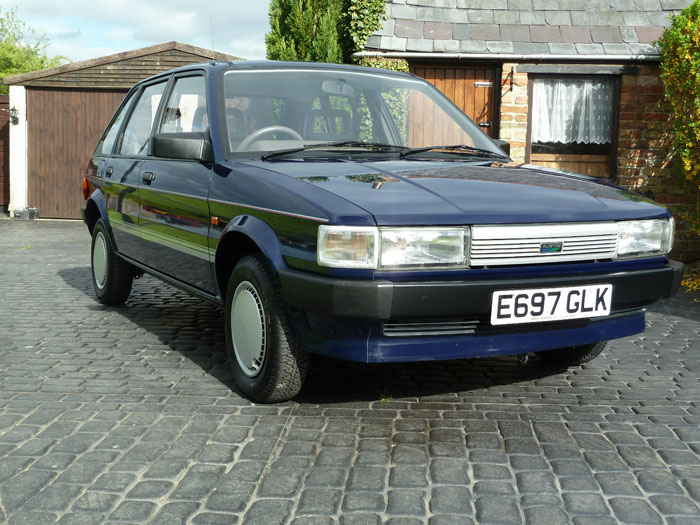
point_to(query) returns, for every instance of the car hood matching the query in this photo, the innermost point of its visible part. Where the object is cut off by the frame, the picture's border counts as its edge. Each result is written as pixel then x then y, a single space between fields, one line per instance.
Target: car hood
pixel 417 192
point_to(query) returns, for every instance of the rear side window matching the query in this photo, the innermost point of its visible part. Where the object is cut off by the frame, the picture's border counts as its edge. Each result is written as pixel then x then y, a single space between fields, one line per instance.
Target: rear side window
pixel 186 110
pixel 137 133
pixel 105 147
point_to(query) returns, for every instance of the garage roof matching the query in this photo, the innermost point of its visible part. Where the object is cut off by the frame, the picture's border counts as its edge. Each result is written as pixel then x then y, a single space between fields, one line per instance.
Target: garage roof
pixel 118 71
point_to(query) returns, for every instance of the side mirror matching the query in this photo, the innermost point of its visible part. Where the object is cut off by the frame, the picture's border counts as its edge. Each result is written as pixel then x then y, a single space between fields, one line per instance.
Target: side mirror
pixel 504 145
pixel 186 146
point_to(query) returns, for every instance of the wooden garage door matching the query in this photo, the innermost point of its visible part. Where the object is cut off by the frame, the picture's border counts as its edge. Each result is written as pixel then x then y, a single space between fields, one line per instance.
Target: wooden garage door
pixel 64 126
pixel 471 89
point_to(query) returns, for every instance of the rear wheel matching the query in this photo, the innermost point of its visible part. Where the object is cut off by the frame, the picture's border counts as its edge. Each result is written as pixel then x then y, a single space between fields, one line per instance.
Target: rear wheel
pixel 267 362
pixel 112 276
pixel 573 355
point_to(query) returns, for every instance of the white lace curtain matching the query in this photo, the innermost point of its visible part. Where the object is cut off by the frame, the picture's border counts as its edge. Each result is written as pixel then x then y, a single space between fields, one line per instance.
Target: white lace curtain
pixel 572 110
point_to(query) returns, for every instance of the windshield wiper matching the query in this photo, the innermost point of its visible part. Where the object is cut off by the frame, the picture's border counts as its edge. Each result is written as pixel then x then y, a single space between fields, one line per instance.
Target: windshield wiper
pixel 369 146
pixel 462 148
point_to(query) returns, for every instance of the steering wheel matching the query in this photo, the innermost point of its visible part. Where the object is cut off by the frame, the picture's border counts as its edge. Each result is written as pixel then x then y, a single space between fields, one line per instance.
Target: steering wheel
pixel 255 135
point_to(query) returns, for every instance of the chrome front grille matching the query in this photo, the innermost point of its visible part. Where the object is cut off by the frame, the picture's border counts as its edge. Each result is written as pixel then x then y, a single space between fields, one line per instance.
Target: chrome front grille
pixel 529 244
pixel 429 327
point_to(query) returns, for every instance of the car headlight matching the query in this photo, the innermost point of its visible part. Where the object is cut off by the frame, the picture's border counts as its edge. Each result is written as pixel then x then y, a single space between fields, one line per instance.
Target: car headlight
pixel 394 248
pixel 644 238
pixel 423 248
pixel 348 246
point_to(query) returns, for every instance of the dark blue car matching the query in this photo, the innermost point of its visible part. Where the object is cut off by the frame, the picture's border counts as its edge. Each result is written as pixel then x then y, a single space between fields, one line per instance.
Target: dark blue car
pixel 357 213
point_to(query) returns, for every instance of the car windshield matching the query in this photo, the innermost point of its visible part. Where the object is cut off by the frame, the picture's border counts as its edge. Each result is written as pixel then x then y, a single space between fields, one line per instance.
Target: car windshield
pixel 291 109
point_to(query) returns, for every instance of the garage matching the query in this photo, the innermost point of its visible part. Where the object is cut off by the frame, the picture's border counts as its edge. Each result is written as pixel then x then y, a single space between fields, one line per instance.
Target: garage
pixel 62 112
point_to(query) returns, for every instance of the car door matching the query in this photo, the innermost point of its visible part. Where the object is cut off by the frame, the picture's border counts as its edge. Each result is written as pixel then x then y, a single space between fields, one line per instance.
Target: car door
pixel 122 170
pixel 174 212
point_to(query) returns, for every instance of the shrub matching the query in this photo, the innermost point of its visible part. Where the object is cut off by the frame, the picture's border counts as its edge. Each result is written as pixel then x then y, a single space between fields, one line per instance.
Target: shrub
pixel 680 72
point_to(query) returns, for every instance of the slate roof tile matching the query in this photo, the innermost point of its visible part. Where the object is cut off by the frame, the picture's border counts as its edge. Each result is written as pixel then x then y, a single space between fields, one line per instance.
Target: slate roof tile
pixel 606 34
pixel 485 32
pixel 538 27
pixel 437 31
pixel 545 34
pixel 516 33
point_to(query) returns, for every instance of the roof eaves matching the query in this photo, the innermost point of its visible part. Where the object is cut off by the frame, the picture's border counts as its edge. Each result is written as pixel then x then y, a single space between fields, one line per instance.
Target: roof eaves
pixel 117 57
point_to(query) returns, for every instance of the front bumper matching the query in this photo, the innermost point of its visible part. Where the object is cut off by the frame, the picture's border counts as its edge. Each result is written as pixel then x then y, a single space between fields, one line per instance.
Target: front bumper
pixel 383 300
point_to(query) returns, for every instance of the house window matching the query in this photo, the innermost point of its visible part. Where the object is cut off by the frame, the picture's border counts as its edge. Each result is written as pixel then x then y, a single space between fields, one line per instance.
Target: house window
pixel 571 124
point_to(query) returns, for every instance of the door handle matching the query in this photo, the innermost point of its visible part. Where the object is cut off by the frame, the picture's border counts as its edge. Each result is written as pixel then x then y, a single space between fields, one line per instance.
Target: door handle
pixel 148 176
pixel 108 172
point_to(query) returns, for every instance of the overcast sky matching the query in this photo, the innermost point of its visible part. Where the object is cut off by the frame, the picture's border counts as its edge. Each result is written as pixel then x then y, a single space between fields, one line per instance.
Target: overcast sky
pixel 82 29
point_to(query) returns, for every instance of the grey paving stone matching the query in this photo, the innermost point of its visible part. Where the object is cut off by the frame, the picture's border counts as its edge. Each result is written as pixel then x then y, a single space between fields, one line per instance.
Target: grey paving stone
pixel 233 501
pixel 150 490
pixel 176 512
pixel 22 487
pixel 319 501
pixel 450 500
pixel 198 482
pixel 134 419
pixel 492 509
pixel 367 478
pixel 55 498
pixel 449 471
pixel 548 515
pixel 95 502
pixel 406 502
pixel 133 511
pixel 580 504
pixel 112 482
pixel 363 501
pixel 360 519
pixel 629 510
pixel 211 518
pixel 618 484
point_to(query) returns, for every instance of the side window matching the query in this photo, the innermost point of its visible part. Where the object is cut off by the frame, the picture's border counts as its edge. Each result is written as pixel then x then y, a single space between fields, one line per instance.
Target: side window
pixel 137 133
pixel 107 143
pixel 186 110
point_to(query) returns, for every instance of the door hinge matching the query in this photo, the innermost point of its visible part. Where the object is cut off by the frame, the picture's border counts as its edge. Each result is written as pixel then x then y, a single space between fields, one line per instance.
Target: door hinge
pixel 484 124
pixel 479 83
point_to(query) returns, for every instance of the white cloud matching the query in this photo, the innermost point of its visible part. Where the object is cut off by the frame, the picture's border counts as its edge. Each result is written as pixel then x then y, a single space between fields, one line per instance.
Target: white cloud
pixel 81 29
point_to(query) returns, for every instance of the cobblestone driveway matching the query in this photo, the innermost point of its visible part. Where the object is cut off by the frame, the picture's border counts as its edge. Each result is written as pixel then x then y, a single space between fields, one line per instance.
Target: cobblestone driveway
pixel 128 415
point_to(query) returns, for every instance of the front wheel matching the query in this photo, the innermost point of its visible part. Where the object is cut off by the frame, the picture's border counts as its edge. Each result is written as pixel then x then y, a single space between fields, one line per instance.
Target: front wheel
pixel 267 363
pixel 112 277
pixel 572 356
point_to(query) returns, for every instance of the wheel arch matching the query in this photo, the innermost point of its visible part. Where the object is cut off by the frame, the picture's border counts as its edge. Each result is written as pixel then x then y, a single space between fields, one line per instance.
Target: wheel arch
pixel 245 234
pixel 95 209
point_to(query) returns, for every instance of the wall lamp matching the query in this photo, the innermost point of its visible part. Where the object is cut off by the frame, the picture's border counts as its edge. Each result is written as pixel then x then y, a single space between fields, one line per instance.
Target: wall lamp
pixel 14 116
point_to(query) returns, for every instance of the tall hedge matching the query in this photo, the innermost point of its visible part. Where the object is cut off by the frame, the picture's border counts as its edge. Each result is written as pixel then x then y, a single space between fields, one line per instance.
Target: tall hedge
pixel 304 30
pixel 680 72
pixel 325 30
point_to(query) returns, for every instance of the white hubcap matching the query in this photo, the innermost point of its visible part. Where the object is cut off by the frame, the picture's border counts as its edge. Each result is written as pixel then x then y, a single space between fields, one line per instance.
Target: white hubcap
pixel 248 328
pixel 99 260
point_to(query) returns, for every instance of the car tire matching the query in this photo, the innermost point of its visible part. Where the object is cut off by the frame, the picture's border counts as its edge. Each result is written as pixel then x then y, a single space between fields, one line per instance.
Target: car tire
pixel 112 276
pixel 268 364
pixel 573 355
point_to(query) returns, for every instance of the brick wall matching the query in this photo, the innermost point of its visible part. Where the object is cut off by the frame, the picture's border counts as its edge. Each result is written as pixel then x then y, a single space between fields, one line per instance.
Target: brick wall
pixel 4 152
pixel 644 159
pixel 513 126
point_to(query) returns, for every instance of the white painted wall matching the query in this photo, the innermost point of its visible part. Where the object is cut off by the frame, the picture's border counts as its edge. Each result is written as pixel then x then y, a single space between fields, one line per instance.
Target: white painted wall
pixel 18 150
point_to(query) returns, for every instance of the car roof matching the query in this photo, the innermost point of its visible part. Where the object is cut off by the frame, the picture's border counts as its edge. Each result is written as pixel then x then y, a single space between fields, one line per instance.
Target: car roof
pixel 216 65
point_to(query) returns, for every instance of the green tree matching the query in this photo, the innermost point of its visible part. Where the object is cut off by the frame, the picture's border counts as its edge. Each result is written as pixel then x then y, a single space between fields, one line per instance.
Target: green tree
pixel 321 30
pixel 21 49
pixel 304 30
pixel 680 72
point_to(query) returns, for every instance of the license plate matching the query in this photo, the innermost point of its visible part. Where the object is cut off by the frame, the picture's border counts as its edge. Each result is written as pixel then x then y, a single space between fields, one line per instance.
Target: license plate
pixel 550 304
